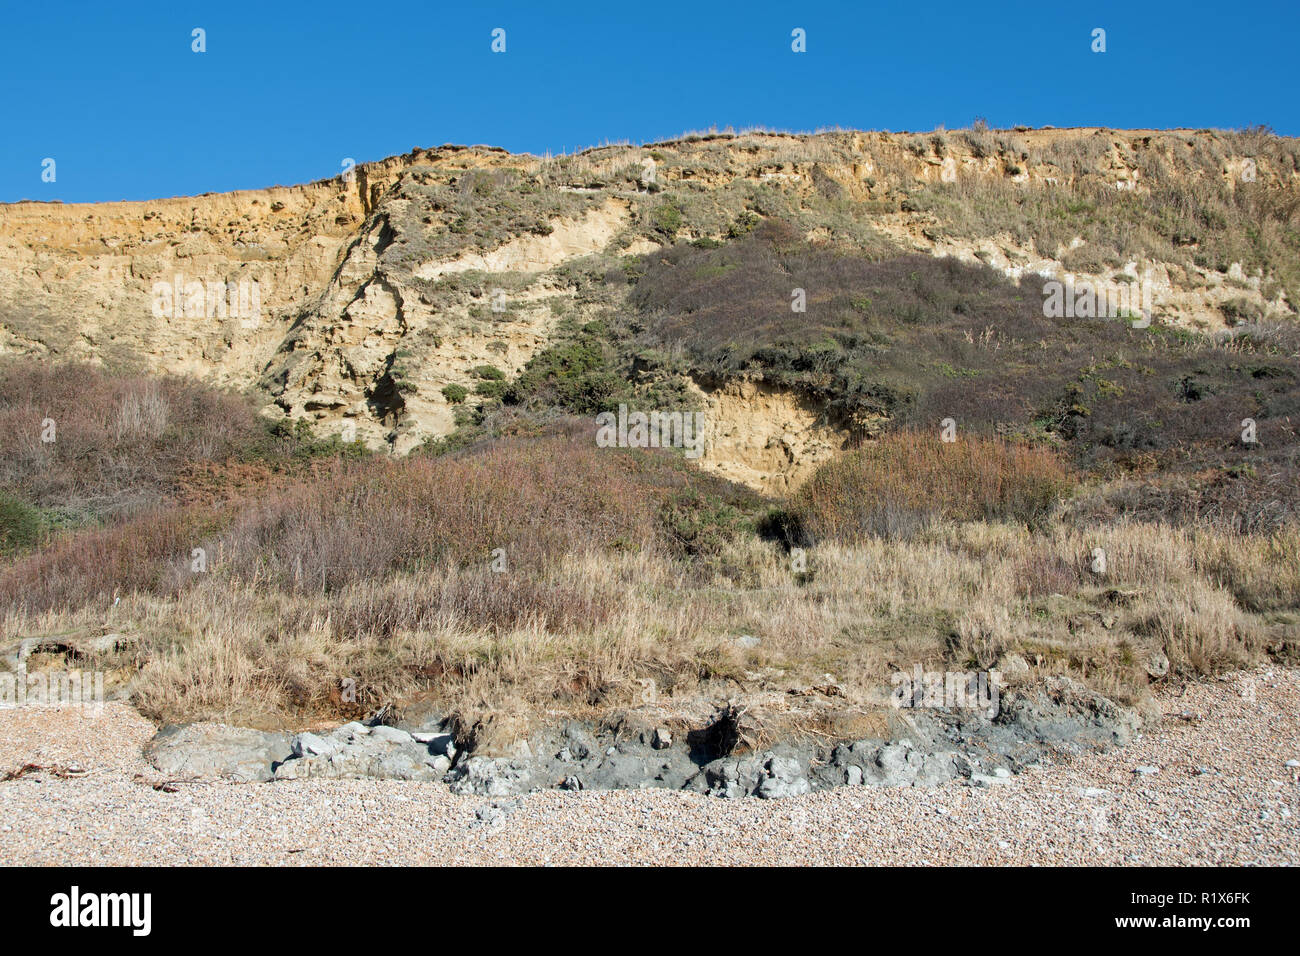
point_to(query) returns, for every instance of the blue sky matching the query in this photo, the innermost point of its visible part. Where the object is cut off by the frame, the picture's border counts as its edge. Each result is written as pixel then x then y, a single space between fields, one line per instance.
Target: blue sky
pixel 114 94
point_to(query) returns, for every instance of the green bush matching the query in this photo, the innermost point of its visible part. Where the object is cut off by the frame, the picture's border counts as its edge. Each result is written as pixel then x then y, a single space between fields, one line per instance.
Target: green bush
pixel 20 524
pixel 667 220
pixel 576 373
pixel 455 393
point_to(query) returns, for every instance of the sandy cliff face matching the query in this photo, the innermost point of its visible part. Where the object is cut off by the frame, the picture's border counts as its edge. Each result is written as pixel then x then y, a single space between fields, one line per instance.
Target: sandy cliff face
pixel 353 303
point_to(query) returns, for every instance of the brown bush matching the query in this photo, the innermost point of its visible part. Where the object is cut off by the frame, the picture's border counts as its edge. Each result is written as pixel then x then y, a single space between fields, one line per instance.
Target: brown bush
pixel 120 441
pixel 540 500
pixel 907 480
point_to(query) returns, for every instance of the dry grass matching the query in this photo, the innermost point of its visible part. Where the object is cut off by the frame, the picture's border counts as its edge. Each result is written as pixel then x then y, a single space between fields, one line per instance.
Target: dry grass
pixel 592 633
pixel 628 577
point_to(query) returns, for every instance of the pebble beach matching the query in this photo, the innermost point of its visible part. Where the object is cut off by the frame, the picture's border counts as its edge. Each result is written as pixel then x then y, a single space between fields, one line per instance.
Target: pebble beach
pixel 1213 779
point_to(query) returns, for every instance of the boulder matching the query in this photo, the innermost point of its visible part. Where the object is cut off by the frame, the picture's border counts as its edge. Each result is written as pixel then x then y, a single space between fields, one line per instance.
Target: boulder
pixel 310 745
pixel 782 777
pixel 218 751
pixel 490 777
pixel 390 735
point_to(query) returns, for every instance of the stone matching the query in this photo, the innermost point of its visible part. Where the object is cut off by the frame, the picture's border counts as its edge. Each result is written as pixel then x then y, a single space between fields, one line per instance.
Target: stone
pixel 440 764
pixel 853 776
pixel 310 745
pixel 662 739
pixel 1013 665
pixel 783 777
pixel 748 640
pixel 1146 771
pixel 724 778
pixel 490 777
pixel 578 742
pixel 894 765
pixel 1293 763
pixel 218 751
pixel 361 762
pixel 390 735
pixel 935 769
pixel 1156 664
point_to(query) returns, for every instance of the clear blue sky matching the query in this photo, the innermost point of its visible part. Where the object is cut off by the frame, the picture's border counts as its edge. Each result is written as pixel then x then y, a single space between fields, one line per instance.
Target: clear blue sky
pixel 113 93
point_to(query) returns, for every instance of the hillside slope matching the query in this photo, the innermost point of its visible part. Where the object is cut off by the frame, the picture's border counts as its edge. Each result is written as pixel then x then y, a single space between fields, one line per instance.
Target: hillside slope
pixel 375 294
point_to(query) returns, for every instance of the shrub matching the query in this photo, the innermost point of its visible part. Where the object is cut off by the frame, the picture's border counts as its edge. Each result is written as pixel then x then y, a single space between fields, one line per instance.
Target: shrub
pixel 455 393
pixel 542 499
pixel 123 442
pixel 666 218
pixel 20 524
pixel 906 480
pixel 576 372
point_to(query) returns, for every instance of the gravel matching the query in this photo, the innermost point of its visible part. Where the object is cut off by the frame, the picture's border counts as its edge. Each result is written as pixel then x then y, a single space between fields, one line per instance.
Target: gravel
pixel 96 803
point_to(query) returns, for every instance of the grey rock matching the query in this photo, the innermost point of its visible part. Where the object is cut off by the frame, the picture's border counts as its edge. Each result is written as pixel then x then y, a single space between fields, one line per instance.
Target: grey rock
pixel 623 771
pixel 217 751
pixel 783 777
pixel 936 769
pixel 490 777
pixel 853 776
pixel 1157 664
pixel 578 742
pixel 351 763
pixel 748 640
pixel 440 764
pixel 390 735
pixel 1293 763
pixel 728 777
pixel 662 739
pixel 310 745
pixel 1145 771
pixel 895 765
